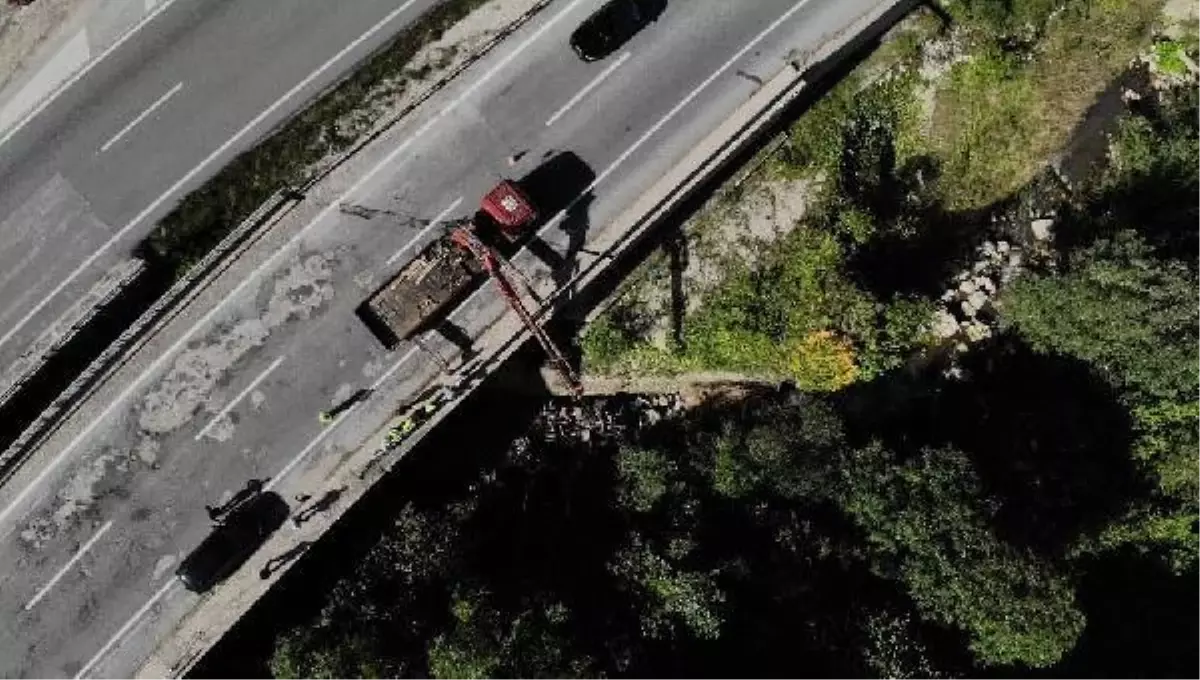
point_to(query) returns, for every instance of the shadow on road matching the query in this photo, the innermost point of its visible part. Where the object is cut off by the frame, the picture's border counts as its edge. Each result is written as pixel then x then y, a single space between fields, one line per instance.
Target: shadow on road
pixel 560 184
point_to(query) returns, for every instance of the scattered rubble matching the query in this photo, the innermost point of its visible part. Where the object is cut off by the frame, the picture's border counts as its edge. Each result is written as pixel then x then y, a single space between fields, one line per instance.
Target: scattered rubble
pixel 601 420
pixel 1041 228
pixel 966 313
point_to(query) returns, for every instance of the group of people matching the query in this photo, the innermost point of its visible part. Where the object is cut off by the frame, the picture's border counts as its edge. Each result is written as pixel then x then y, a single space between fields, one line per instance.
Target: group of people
pixel 423 412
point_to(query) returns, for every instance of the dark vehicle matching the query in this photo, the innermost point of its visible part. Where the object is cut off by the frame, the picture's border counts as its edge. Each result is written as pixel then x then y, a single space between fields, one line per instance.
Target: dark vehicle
pixel 612 25
pixel 232 542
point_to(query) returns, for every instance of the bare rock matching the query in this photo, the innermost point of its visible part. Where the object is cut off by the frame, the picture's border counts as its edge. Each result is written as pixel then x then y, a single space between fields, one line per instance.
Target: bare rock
pixel 985 284
pixel 1042 228
pixel 976 331
pixel 978 299
pixel 944 324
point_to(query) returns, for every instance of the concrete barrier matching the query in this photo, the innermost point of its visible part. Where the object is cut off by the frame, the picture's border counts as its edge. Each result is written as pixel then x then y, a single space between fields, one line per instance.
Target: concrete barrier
pixel 112 357
pixel 81 312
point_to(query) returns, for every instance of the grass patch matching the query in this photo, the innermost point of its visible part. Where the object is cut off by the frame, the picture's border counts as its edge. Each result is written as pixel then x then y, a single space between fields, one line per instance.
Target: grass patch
pixel 1169 56
pixel 886 174
pixel 983 130
pixel 817 142
pixel 1002 114
pixel 794 314
pixel 288 157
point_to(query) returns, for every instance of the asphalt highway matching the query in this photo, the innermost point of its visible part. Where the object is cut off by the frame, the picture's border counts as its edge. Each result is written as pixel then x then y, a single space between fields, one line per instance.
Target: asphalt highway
pixel 91 532
pixel 83 181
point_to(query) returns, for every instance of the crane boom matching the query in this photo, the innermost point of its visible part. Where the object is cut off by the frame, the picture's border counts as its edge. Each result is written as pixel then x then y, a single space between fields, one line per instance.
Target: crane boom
pixel 495 265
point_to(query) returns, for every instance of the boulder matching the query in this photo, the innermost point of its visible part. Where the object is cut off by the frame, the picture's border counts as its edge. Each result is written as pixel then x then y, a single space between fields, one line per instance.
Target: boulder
pixel 944 324
pixel 976 331
pixel 1041 228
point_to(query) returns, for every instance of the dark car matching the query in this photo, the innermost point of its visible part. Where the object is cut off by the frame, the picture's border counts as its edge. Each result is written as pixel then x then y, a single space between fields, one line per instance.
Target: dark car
pixel 233 541
pixel 612 25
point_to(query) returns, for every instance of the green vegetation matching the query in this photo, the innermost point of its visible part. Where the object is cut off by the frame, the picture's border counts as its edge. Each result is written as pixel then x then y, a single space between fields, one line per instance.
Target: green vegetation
pixel 1037 516
pixel 1123 300
pixel 985 125
pixel 1031 513
pixel 1169 56
pixel 1036 68
pixel 289 157
pixel 796 312
pixel 894 179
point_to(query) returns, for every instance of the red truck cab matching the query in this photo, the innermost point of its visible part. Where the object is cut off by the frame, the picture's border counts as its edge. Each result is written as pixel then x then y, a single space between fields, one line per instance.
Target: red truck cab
pixel 510 208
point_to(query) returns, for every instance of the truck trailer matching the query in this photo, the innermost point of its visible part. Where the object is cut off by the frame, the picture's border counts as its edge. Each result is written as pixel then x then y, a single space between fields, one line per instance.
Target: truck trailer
pixel 443 274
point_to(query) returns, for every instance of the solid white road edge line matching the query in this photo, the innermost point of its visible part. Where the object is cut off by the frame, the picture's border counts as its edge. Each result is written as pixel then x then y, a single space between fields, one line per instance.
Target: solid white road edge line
pixel 307 449
pixel 201 167
pixel 141 116
pixel 241 395
pixel 67 567
pixel 655 128
pixel 321 436
pixel 588 88
pixel 433 223
pixel 125 628
pixel 679 107
pixel 158 363
pixel 407 355
pixel 81 73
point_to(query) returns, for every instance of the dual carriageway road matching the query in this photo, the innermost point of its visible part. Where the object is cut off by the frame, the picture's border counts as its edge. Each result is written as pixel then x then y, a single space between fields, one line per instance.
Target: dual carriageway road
pixel 92 527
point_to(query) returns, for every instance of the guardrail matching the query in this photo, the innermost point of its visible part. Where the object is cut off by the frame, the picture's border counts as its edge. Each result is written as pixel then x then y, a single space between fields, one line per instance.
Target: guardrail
pixel 79 388
pixel 57 336
pixel 160 311
pixel 388 121
pixel 691 175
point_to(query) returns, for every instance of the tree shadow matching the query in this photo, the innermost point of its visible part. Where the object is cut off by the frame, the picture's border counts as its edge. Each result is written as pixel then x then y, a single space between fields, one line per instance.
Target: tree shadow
pixel 545 531
pixel 1048 436
pixel 916 245
pixel 677 253
pixel 1141 621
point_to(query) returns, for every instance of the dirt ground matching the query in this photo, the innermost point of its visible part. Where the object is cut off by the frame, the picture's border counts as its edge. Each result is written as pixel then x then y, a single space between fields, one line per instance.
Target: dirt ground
pixel 24 29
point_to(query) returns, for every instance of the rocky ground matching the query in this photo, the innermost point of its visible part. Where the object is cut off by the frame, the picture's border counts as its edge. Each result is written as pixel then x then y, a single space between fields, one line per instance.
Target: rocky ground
pixel 599 420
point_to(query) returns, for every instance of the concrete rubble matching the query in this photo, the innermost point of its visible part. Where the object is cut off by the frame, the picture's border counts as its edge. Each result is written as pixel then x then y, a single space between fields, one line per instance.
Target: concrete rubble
pixel 966 312
pixel 602 420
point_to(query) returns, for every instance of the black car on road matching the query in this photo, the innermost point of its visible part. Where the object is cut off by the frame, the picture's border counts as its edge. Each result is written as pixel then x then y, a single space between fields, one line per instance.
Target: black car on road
pixel 233 541
pixel 612 25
